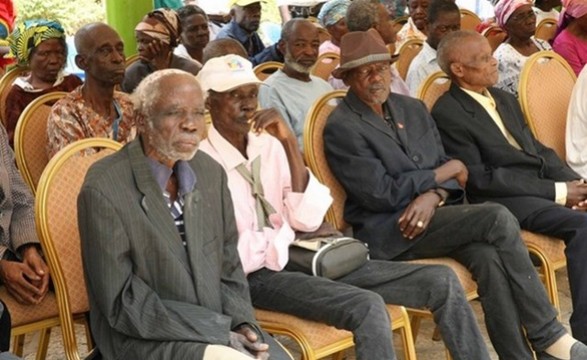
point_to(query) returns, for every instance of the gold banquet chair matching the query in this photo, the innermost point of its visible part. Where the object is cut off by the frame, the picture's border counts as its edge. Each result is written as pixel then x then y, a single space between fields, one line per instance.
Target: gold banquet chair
pixel 315 158
pixel 546 29
pixel 131 60
pixel 325 64
pixel 264 70
pixel 5 86
pixel 407 53
pixel 546 84
pixel 56 217
pixel 30 137
pixel 433 87
pixel 27 319
pixel 469 20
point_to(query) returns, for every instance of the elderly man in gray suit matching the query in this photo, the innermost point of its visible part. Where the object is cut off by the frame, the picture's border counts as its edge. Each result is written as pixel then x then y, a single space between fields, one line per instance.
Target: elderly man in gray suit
pixel 159 240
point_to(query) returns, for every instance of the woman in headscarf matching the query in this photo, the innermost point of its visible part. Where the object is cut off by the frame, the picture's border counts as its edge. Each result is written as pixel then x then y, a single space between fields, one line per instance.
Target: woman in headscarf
pixel 517 18
pixel 571 41
pixel 38 45
pixel 157 35
pixel 332 17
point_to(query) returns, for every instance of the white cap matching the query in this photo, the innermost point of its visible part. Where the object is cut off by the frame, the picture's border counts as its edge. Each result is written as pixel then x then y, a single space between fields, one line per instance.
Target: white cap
pixel 225 73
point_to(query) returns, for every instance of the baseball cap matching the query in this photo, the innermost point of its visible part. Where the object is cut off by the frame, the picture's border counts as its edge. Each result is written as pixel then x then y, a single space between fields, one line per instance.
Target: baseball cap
pixel 225 73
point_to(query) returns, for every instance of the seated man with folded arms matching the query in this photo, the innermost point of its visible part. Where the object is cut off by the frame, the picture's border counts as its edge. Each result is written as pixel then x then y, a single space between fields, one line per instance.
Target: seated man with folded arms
pixel 292 90
pixel 159 240
pixel 22 269
pixel 444 17
pixel 94 109
pixel 386 152
pixel 259 145
pixel 484 127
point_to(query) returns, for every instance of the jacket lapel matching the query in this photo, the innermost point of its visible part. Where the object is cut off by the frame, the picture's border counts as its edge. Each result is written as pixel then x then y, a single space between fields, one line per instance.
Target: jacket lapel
pixel 369 116
pixel 197 228
pixel 153 203
pixel 509 121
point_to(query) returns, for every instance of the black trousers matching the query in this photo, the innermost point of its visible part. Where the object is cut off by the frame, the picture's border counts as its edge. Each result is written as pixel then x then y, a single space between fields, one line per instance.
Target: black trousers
pixel 571 226
pixel 4 328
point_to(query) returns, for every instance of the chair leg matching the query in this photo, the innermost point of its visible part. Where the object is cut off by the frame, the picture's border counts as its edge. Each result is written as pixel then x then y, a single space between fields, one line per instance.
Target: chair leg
pixel 408 344
pixel 436 335
pixel 415 324
pixel 18 347
pixel 43 344
pixel 448 357
pixel 89 339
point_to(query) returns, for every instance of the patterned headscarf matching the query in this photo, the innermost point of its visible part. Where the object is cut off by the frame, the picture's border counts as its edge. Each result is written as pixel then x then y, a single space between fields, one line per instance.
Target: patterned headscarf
pixel 29 34
pixel 161 24
pixel 575 8
pixel 505 8
pixel 333 11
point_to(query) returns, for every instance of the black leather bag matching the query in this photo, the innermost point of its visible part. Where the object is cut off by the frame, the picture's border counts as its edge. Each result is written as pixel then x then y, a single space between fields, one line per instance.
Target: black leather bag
pixel 329 257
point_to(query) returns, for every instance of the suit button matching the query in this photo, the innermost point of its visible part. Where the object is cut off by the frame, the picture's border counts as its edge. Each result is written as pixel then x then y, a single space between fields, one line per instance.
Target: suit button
pixel 416 158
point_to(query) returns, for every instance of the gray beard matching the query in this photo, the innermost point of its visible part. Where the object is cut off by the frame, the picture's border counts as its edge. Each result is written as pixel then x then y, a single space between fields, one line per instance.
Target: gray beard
pixel 292 64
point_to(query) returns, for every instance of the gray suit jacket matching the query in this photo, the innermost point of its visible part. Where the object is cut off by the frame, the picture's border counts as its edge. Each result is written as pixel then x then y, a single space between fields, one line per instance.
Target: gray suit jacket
pixel 17 204
pixel 150 297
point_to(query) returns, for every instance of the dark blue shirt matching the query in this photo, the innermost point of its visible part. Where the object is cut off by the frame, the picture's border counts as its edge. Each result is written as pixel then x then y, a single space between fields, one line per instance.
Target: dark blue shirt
pixel 251 41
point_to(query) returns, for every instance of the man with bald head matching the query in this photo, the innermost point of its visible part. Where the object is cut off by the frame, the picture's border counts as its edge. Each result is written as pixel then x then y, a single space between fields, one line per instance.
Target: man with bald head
pixel 159 241
pixel 485 128
pixel 292 90
pixel 94 109
pixel 221 47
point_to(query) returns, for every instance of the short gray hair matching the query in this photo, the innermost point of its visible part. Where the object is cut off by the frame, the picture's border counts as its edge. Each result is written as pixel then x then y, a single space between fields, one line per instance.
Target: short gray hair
pixel 143 98
pixel 362 15
pixel 449 48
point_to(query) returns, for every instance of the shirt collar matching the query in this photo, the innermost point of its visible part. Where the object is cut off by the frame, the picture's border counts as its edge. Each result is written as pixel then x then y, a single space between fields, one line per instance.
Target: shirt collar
pixel 241 34
pixel 229 155
pixel 428 53
pixel 485 99
pixel 184 172
pixel 25 84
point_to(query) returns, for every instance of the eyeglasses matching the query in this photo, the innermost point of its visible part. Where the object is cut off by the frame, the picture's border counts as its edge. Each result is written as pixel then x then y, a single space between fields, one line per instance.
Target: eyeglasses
pixel 381 70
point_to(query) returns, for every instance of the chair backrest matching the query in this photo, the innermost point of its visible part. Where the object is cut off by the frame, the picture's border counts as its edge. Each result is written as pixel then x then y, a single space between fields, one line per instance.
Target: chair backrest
pixel 131 60
pixel 469 20
pixel 407 53
pixel 56 217
pixel 316 159
pixel 495 35
pixel 264 70
pixel 325 64
pixel 30 137
pixel 546 29
pixel 399 22
pixel 5 86
pixel 546 84
pixel 433 87
pixel 323 34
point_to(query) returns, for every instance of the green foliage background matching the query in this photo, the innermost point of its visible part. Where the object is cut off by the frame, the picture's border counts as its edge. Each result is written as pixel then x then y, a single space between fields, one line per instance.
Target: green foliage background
pixel 72 14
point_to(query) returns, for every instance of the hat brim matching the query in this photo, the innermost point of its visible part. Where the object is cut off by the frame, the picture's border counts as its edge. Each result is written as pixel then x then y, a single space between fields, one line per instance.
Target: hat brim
pixel 235 83
pixel 339 72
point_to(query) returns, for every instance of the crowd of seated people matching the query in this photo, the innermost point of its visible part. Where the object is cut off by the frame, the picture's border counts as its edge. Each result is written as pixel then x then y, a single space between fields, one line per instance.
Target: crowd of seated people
pixel 186 230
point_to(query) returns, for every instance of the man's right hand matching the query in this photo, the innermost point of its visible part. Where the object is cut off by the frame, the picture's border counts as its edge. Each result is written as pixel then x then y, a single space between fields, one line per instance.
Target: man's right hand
pixel 18 278
pixel 248 344
pixel 452 169
pixel 576 192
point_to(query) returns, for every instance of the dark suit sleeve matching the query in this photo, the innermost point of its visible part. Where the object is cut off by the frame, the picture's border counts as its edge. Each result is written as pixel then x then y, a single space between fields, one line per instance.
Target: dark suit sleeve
pixel 364 176
pixel 130 306
pixel 490 181
pixel 236 301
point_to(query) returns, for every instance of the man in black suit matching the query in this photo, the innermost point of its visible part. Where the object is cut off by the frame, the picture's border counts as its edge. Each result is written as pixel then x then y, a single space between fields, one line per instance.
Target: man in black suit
pixel 386 151
pixel 484 127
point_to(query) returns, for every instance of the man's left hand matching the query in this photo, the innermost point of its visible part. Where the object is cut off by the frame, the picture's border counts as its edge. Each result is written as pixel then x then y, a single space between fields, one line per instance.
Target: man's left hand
pixel 271 121
pixel 32 258
pixel 417 216
pixel 253 345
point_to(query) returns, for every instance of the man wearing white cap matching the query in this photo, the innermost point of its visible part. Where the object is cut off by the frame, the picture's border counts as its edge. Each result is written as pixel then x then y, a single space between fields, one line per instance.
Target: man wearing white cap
pixel 246 141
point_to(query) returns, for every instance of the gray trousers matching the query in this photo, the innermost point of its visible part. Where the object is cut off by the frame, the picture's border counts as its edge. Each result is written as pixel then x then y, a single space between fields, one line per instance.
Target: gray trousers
pixel 486 239
pixel 356 302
